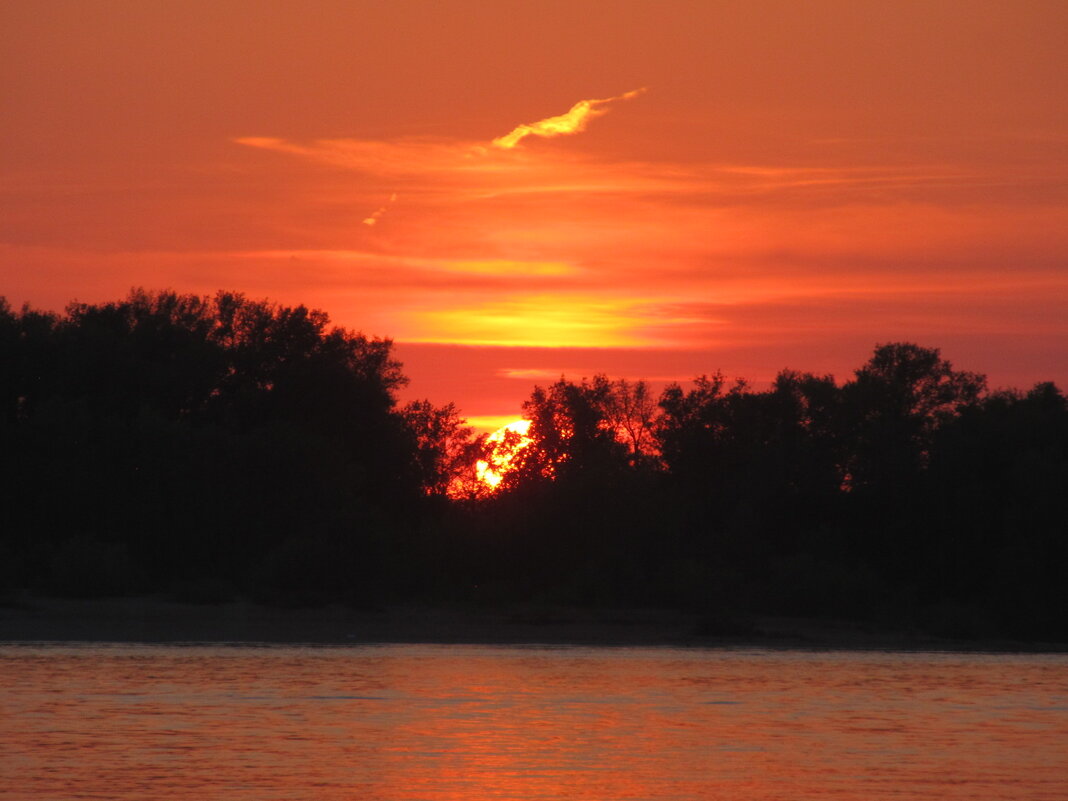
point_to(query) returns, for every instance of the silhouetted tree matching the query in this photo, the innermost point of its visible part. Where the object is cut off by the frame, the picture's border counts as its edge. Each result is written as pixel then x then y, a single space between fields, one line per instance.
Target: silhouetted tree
pixel 757 470
pixel 808 408
pixel 442 444
pixel 226 444
pixel 632 410
pixel 571 432
pixel 196 435
pixel 894 405
pixel 995 532
pixel 28 352
pixel 695 432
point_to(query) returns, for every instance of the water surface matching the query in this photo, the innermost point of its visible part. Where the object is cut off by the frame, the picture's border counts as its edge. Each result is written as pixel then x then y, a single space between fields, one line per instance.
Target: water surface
pixel 471 722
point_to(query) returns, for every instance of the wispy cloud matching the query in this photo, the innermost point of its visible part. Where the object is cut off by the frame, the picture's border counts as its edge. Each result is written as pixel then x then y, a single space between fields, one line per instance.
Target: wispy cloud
pixel 574 121
pixel 467 170
pixel 567 247
pixel 421 156
pixel 376 215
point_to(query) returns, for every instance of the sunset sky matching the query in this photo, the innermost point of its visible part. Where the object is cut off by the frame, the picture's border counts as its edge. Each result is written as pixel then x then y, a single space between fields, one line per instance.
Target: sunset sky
pixel 518 190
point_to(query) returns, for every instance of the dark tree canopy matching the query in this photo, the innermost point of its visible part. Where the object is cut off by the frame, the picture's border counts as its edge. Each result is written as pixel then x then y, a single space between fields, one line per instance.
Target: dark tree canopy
pixel 443 448
pixel 572 432
pixel 895 403
pixel 204 436
pixel 215 446
pixel 905 494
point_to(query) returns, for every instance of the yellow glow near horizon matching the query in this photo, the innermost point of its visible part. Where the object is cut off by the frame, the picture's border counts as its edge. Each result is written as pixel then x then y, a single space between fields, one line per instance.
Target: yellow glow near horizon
pixel 798 183
pixel 542 321
pixel 505 442
pixel 490 423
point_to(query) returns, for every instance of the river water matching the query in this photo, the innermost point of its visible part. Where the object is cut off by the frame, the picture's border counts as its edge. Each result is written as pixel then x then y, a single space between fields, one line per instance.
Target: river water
pixel 472 722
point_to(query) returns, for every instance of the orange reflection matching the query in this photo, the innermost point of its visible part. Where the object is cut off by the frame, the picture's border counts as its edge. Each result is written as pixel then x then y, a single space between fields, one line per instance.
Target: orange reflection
pixel 460 723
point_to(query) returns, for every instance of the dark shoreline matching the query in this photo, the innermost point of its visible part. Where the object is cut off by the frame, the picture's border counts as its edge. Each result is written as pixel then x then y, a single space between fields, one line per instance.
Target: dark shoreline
pixel 158 620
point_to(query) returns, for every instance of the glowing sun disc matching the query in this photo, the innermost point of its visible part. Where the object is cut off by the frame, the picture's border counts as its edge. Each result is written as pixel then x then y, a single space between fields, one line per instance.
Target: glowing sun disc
pixel 503 445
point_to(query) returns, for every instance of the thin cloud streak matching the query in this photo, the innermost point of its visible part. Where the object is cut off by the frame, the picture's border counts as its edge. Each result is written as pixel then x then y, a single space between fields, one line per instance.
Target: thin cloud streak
pixel 377 215
pixel 466 170
pixel 573 121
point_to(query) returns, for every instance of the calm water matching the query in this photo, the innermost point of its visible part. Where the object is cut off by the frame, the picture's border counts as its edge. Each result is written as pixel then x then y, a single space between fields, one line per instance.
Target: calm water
pixel 469 722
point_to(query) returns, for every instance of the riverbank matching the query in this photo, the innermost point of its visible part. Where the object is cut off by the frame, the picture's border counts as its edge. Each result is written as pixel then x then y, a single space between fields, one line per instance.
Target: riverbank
pixel 158 620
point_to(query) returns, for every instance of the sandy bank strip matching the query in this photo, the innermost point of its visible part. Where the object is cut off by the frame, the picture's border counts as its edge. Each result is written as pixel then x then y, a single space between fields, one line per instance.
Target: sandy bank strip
pixel 156 620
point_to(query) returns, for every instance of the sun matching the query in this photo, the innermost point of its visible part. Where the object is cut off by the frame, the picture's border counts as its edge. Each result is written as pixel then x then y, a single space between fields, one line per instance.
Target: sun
pixel 502 446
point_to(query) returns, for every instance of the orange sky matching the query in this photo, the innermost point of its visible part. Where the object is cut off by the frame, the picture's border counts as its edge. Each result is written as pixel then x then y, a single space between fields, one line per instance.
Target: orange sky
pixel 797 182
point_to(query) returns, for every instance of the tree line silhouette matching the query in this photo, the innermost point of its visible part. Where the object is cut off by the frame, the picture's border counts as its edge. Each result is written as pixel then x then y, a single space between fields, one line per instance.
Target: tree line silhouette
pixel 211 446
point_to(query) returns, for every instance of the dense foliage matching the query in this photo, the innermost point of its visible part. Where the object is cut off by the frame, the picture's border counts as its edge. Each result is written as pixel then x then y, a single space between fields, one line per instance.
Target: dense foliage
pixel 908 495
pixel 213 446
pixel 206 442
